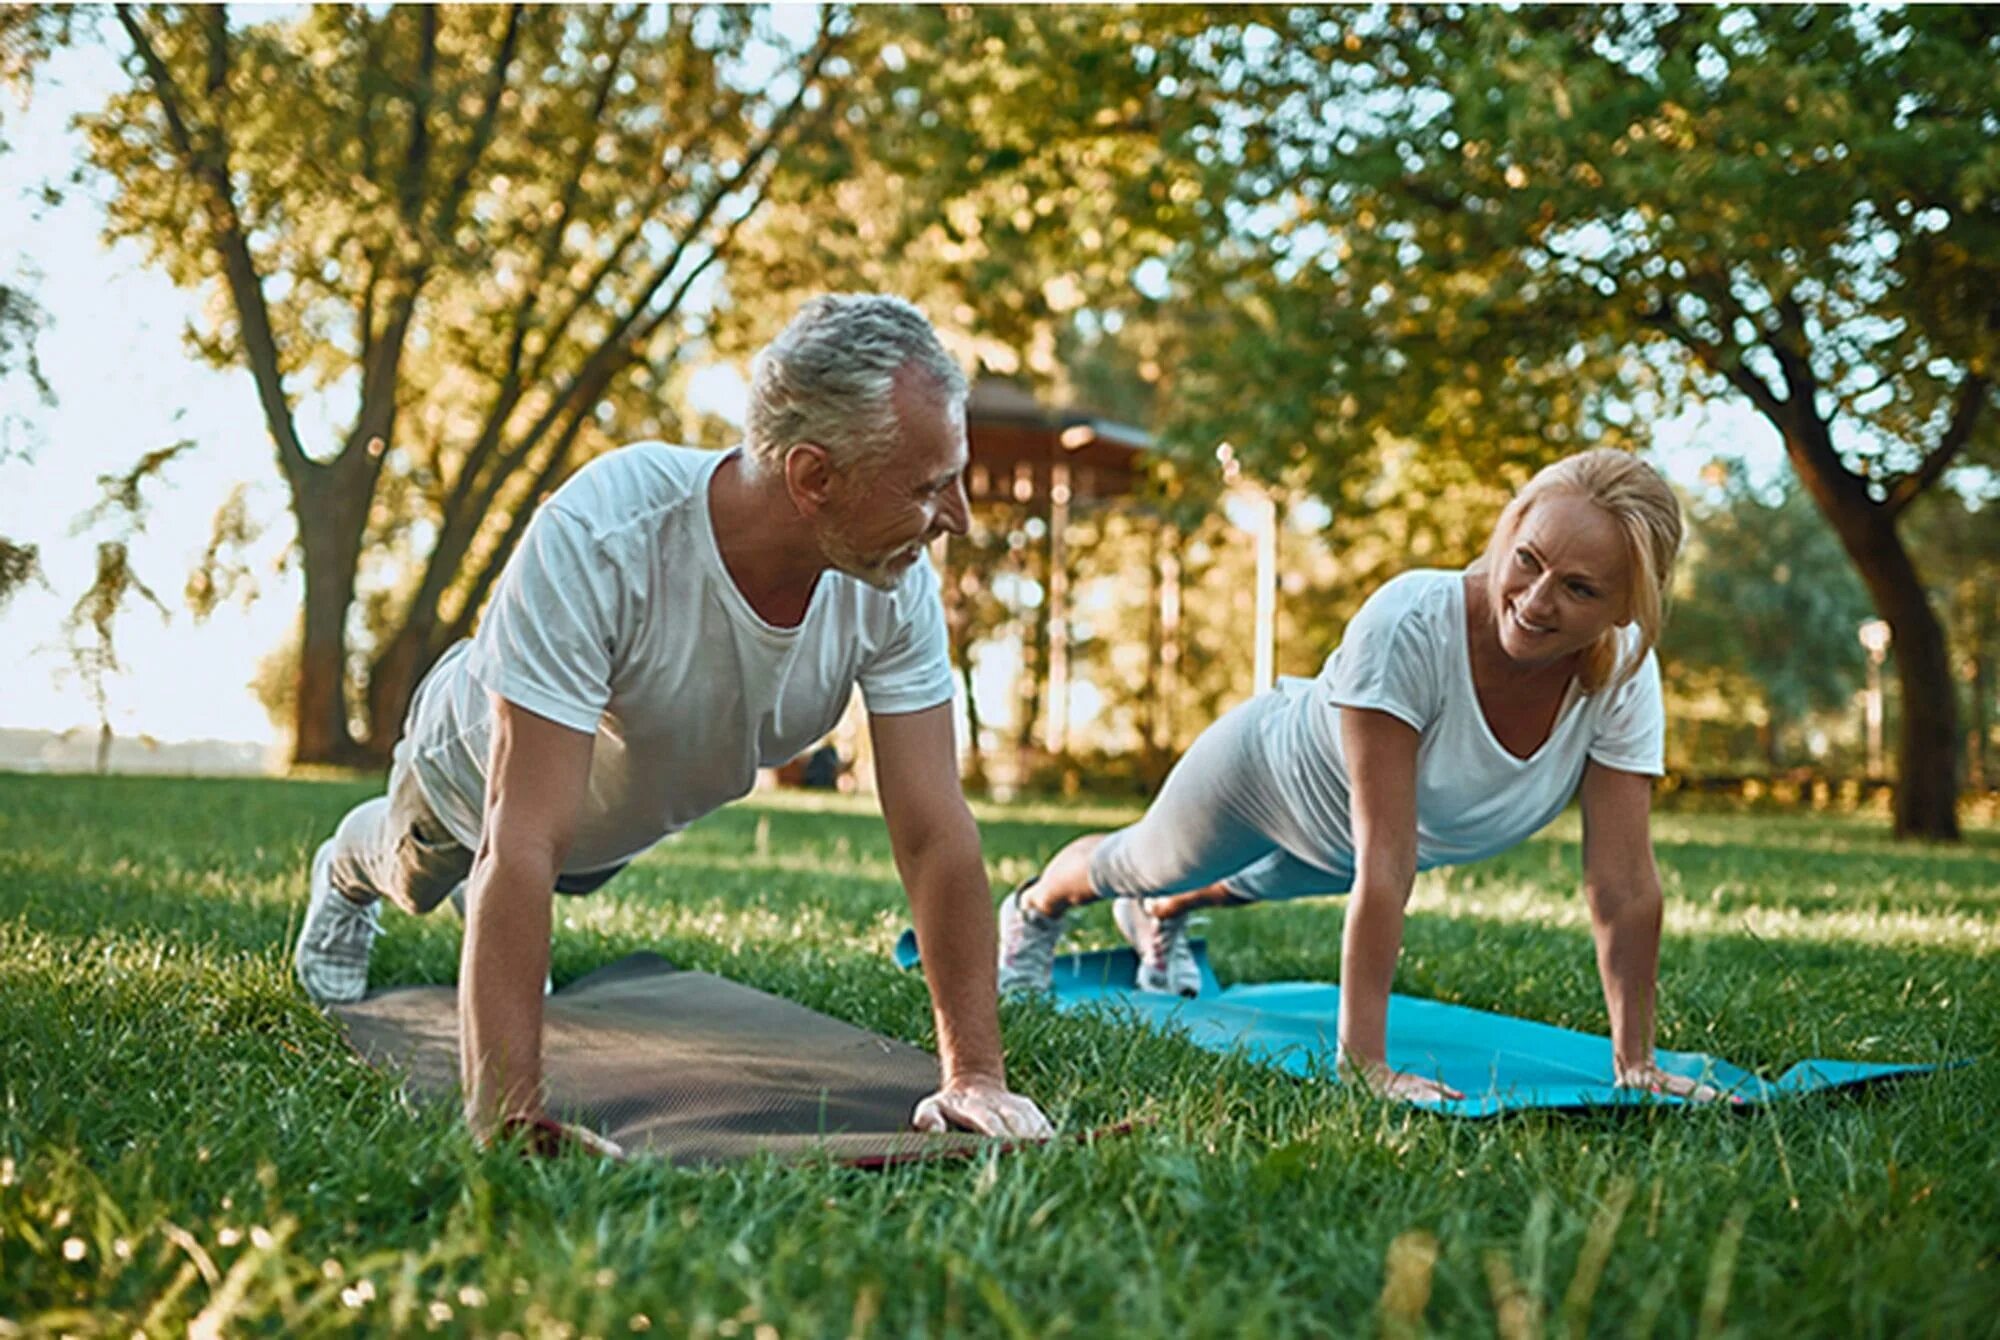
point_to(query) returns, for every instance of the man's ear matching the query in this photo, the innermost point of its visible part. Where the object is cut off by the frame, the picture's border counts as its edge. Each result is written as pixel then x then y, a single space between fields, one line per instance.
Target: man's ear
pixel 809 477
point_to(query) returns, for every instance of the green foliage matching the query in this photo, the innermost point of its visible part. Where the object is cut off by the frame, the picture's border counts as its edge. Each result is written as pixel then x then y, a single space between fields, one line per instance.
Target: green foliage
pixel 1523 230
pixel 1509 232
pixel 91 627
pixel 1767 599
pixel 187 1138
pixel 19 565
pixel 487 229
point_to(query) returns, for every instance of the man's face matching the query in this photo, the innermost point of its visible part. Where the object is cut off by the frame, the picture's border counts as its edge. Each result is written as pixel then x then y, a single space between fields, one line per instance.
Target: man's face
pixel 876 527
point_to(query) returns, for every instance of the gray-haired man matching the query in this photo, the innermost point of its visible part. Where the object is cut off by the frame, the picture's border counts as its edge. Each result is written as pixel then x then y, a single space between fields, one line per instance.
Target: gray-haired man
pixel 672 620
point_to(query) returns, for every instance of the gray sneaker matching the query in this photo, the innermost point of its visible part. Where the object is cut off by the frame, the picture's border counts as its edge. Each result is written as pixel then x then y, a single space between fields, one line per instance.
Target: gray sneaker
pixel 1166 959
pixel 331 959
pixel 1027 946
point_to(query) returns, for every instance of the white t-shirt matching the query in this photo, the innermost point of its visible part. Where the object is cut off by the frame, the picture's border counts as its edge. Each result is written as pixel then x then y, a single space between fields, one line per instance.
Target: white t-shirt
pixel 1406 653
pixel 616 616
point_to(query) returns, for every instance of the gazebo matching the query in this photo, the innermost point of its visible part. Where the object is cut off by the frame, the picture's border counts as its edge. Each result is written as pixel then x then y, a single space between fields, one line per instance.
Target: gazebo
pixel 1050 460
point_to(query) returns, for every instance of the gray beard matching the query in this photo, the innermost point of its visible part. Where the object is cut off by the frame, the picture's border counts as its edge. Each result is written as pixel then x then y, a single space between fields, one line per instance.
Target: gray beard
pixel 845 558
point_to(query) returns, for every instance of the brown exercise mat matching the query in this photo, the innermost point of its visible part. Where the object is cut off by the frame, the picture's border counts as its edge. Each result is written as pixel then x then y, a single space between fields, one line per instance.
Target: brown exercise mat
pixel 685 1064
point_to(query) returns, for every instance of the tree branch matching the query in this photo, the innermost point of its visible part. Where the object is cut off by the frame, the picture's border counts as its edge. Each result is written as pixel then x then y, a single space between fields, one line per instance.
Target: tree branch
pixel 1964 417
pixel 416 158
pixel 211 169
pixel 616 349
pixel 1718 361
pixel 482 129
pixel 511 384
pixel 517 525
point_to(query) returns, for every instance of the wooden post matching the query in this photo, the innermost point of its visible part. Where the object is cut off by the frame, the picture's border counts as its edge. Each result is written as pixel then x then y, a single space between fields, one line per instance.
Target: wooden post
pixel 1058 607
pixel 1170 634
pixel 1265 667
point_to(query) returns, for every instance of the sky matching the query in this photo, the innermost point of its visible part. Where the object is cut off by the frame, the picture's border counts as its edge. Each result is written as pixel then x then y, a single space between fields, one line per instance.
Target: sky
pixel 124 383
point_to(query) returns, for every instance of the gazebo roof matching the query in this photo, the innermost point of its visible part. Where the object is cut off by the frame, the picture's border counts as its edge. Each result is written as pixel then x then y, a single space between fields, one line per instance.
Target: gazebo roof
pixel 1018 444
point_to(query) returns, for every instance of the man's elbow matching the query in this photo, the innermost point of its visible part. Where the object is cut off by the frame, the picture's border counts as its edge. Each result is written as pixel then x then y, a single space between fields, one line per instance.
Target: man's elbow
pixel 518 862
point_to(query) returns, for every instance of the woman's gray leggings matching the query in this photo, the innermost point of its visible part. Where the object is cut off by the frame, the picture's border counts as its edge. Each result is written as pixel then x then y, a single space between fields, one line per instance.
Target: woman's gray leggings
pixel 1217 819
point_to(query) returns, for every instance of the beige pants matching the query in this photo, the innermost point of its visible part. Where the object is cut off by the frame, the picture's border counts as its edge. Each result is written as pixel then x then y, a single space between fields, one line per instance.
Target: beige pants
pixel 396 847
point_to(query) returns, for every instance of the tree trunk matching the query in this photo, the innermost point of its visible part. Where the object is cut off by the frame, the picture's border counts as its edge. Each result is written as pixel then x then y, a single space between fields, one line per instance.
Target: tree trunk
pixel 393 680
pixel 1927 733
pixel 331 505
pixel 1978 753
pixel 1981 605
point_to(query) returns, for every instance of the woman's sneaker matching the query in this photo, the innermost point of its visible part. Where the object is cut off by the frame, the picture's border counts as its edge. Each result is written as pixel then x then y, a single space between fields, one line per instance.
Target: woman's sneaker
pixel 331 959
pixel 1166 959
pixel 1027 946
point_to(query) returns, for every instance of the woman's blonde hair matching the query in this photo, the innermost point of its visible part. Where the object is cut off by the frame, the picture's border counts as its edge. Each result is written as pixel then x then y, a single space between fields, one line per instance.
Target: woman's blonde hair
pixel 1648 515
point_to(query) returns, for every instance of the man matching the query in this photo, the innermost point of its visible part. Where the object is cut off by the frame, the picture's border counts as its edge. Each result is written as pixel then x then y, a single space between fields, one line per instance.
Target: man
pixel 673 620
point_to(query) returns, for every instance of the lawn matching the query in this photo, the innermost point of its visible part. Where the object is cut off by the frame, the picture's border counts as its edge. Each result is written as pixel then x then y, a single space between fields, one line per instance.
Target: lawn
pixel 185 1141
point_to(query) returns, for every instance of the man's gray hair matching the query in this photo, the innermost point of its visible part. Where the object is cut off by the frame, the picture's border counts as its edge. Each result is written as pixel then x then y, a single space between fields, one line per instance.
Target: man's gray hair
pixel 830 376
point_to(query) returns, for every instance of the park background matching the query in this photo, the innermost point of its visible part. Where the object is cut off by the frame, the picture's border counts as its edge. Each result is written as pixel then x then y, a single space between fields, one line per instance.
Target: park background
pixel 273 432
pixel 302 309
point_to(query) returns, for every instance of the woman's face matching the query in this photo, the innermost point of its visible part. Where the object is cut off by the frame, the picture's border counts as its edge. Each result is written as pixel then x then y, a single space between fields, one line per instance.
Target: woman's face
pixel 1561 583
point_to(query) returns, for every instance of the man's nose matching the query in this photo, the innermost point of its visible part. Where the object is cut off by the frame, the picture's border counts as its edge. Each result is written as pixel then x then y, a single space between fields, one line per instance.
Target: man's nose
pixel 955 512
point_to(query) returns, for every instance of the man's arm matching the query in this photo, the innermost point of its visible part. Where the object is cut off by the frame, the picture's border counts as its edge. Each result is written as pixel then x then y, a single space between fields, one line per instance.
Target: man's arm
pixel 936 844
pixel 1622 885
pixel 535 783
pixel 1381 753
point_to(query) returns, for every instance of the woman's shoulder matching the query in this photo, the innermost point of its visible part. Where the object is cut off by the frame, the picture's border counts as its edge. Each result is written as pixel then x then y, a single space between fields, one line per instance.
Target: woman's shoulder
pixel 1426 594
pixel 1413 613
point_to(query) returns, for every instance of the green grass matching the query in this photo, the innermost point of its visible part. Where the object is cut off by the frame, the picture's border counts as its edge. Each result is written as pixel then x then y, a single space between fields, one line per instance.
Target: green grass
pixel 183 1139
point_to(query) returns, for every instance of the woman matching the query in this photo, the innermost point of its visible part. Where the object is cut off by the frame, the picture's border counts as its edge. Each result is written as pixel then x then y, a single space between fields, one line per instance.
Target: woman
pixel 1460 713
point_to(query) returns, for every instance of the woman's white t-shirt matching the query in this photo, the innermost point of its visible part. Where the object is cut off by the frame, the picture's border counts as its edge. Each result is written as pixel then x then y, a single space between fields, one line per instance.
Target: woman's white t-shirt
pixel 617 617
pixel 1406 653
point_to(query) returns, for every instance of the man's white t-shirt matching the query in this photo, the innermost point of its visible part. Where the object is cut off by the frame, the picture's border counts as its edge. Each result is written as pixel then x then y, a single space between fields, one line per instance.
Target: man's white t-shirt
pixel 1406 653
pixel 617 617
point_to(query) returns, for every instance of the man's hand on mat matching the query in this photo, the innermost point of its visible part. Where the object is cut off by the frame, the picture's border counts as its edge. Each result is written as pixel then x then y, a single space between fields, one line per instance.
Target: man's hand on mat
pixel 1385 1082
pixel 985 1106
pixel 1652 1079
pixel 545 1137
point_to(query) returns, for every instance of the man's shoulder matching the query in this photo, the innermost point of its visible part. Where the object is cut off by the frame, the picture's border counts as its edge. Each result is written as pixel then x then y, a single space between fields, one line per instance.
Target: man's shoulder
pixel 632 482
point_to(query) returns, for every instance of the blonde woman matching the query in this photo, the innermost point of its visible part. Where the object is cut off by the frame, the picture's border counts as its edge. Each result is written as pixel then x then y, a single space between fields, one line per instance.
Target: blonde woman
pixel 1459 715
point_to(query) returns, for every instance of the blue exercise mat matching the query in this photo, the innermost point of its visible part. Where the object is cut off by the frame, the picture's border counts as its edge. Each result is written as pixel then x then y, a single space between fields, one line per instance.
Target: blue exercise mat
pixel 1501 1064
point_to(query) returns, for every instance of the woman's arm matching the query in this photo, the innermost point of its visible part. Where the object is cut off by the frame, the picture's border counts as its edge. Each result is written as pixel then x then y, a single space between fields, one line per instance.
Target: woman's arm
pixel 1382 765
pixel 1622 886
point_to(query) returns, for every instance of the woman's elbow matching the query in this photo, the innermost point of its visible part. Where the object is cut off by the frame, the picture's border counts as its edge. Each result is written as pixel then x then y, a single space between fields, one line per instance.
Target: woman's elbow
pixel 1633 899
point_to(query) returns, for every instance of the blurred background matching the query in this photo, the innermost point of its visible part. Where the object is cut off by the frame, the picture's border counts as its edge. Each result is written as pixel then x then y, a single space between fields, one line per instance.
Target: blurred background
pixel 302 309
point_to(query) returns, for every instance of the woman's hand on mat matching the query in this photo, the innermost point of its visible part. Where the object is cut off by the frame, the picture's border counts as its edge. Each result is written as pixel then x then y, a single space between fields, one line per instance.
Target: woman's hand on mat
pixel 544 1137
pixel 1385 1082
pixel 1652 1079
pixel 984 1105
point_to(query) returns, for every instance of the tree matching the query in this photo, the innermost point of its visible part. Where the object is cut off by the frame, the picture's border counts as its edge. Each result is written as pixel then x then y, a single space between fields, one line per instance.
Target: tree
pixel 26 35
pixel 20 563
pixel 1767 598
pixel 1956 536
pixel 1549 226
pixel 92 623
pixel 484 231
